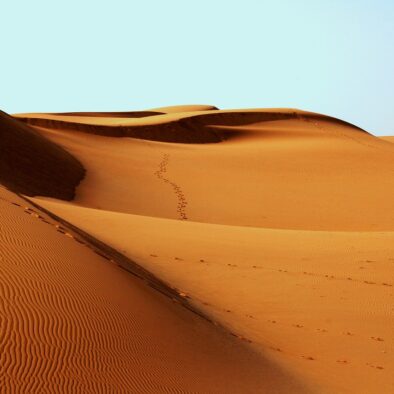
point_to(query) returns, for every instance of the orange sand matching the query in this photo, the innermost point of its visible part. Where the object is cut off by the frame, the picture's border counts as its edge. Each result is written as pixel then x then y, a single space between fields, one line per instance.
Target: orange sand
pixel 73 321
pixel 276 224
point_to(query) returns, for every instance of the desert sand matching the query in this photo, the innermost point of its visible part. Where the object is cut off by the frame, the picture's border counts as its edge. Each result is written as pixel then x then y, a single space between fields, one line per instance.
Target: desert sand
pixel 268 235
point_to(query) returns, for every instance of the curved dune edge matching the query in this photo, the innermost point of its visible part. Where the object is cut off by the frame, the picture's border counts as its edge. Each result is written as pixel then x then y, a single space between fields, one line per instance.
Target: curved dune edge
pixel 185 108
pixel 114 114
pixel 32 165
pixel 74 322
pixel 186 127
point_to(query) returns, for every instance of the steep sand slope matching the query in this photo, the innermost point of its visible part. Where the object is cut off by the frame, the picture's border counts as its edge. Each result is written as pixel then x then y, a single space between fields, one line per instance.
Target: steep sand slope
pixel 317 302
pixel 32 165
pixel 72 321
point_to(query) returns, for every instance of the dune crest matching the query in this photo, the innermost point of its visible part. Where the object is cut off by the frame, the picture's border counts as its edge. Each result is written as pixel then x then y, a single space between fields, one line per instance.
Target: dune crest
pixel 185 108
pixel 194 127
pixel 120 114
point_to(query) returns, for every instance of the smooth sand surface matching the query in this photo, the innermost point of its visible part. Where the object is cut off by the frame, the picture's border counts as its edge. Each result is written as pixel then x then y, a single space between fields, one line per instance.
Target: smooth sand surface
pixel 281 230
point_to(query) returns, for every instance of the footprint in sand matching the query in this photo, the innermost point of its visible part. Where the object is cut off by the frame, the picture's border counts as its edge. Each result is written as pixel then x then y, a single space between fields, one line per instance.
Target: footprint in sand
pixel 377 339
pixel 348 333
pixel 374 366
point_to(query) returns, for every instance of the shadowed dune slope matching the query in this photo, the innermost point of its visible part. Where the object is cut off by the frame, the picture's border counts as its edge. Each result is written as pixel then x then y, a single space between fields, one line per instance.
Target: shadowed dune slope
pixel 33 165
pixel 73 322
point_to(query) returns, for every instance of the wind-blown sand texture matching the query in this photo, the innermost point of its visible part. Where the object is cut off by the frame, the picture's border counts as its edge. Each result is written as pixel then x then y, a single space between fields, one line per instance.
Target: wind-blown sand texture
pixel 73 321
pixel 276 224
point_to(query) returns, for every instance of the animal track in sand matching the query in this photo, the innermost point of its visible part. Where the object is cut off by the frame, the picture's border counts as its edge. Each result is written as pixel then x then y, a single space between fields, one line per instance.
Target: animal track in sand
pixel 182 202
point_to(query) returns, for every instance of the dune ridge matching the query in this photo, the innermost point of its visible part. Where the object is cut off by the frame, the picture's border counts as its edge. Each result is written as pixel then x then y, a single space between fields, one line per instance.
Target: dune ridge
pixel 113 114
pixel 185 128
pixel 32 165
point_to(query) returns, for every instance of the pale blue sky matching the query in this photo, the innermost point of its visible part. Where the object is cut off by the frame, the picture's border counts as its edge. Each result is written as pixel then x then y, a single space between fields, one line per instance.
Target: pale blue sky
pixel 329 56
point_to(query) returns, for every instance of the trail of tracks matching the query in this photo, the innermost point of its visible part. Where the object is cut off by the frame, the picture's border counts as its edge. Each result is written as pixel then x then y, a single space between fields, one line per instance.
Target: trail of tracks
pixel 160 173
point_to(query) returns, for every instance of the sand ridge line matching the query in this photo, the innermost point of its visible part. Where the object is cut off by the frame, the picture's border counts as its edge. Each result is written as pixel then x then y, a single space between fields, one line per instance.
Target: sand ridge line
pixel 180 296
pixel 71 330
pixel 182 202
pixel 321 128
pixel 176 295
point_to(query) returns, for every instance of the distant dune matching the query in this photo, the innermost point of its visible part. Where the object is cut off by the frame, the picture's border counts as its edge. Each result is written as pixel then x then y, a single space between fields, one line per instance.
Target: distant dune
pixel 185 108
pixel 129 114
pixel 180 127
pixel 269 235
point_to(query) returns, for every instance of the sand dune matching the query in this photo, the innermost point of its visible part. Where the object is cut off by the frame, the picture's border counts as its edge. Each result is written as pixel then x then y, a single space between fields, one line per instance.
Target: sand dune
pixel 276 224
pixel 32 165
pixel 294 172
pixel 318 303
pixel 206 126
pixel 72 321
